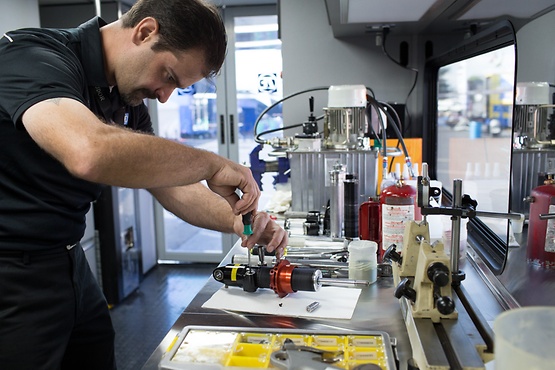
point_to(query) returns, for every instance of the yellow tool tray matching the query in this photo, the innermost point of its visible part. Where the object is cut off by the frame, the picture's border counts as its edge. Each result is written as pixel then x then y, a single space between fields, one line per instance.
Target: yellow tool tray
pixel 216 348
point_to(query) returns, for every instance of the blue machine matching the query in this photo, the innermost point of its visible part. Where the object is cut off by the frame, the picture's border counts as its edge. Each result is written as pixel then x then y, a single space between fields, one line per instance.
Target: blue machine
pixel 259 166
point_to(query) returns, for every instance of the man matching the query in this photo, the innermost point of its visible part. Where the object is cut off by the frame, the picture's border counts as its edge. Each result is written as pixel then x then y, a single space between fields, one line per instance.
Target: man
pixel 72 118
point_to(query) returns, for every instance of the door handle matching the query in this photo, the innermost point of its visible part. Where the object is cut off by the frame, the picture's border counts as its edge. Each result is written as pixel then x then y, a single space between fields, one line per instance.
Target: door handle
pixel 222 129
pixel 232 128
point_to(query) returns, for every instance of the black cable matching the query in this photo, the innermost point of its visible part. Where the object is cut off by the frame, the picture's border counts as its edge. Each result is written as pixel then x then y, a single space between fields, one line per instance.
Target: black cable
pixel 401 141
pixel 276 130
pixel 367 112
pixel 374 103
pixel 260 141
pixel 276 103
pixel 396 123
pixel 372 91
pixel 409 118
pixel 385 32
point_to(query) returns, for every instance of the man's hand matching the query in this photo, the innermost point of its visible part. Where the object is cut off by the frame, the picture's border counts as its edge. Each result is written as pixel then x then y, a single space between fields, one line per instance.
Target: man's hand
pixel 266 232
pixel 230 177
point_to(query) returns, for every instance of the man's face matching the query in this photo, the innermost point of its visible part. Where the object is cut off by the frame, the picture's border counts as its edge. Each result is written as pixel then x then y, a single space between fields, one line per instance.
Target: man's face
pixel 154 75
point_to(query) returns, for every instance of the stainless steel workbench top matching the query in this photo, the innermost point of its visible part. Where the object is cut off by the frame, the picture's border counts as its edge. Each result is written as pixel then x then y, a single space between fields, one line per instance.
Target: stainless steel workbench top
pixel 377 309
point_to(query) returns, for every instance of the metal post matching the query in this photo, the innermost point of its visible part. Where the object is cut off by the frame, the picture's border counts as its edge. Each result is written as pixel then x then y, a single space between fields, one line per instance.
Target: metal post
pixel 97 6
pixel 456 227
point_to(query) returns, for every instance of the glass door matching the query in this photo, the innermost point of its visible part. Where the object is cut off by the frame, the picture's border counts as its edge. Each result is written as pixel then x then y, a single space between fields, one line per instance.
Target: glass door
pixel 258 84
pixel 189 117
pixel 219 116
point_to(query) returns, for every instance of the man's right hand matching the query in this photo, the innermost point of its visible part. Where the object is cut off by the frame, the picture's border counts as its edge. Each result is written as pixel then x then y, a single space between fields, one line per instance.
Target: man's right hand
pixel 230 177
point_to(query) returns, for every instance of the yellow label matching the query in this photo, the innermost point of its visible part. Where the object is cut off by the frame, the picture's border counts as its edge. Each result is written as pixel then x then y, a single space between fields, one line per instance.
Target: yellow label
pixel 365 342
pixel 326 341
pixel 234 272
pixel 365 356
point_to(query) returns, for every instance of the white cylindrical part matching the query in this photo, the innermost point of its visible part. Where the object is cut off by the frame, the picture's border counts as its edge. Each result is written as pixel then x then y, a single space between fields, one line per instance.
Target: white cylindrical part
pixel 341 96
pixel 415 170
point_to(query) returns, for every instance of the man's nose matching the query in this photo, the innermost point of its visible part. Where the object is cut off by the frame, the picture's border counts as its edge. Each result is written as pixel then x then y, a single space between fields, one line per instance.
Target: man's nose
pixel 163 94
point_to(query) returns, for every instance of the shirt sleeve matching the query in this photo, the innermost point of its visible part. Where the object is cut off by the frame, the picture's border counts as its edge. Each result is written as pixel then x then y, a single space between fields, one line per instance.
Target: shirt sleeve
pixel 35 70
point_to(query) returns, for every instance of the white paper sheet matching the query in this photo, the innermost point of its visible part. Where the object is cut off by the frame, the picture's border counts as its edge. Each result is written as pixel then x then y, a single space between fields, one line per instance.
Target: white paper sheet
pixel 335 303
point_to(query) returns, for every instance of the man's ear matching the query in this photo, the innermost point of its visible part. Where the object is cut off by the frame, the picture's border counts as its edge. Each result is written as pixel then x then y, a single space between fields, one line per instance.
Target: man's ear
pixel 145 30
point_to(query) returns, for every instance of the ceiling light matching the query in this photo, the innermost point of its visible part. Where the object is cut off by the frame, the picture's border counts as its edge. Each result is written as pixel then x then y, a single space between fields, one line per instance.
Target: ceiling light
pixel 383 11
pixel 516 8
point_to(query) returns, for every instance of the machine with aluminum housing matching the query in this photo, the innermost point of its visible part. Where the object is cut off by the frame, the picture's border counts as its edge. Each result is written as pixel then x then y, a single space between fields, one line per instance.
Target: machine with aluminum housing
pixel 347 149
pixel 534 140
pixel 345 126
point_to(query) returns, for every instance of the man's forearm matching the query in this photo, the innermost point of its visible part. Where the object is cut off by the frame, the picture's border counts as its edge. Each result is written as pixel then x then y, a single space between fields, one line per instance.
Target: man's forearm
pixel 112 155
pixel 102 153
pixel 199 206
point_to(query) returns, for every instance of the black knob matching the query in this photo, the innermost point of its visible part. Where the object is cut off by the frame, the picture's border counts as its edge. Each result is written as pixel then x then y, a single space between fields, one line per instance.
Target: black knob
pixel 438 273
pixel 249 281
pixel 404 290
pixel 392 255
pixel 468 202
pixel 445 305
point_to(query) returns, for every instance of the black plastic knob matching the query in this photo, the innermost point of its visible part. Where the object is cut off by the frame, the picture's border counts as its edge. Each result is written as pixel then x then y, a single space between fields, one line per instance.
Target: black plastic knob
pixel 445 305
pixel 391 254
pixel 404 290
pixel 438 273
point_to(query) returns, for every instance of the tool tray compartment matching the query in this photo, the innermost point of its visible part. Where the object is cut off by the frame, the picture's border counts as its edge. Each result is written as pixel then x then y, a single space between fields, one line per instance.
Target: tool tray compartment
pixel 218 348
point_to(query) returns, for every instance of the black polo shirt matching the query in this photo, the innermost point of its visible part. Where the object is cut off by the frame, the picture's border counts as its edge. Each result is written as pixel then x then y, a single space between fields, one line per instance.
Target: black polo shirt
pixel 41 204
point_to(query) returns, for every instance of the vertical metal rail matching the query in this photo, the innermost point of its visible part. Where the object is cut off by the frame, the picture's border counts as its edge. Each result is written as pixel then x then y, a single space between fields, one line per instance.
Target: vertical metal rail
pixel 456 227
pixel 97 7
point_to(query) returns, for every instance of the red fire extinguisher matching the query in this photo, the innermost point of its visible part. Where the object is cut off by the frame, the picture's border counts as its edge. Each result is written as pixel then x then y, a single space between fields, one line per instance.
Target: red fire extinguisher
pixel 397 206
pixel 541 230
pixel 369 221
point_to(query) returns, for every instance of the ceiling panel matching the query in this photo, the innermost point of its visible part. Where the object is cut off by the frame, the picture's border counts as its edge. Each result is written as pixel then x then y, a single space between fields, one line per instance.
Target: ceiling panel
pixel 357 17
pixel 360 11
pixel 515 8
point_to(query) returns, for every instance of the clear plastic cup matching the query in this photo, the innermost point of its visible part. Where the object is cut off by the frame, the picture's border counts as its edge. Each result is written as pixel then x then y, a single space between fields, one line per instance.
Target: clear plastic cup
pixel 363 263
pixel 525 338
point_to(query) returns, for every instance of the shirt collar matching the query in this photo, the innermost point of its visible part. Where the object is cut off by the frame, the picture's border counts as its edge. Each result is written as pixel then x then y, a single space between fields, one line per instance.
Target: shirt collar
pixel 92 55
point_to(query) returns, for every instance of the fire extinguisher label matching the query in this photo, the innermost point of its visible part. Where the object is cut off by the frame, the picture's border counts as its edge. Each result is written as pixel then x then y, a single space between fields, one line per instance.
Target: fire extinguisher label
pixel 550 232
pixel 394 219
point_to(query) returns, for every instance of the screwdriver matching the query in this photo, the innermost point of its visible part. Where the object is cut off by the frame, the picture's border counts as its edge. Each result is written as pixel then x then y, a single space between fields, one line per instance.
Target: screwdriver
pixel 247 222
pixel 247 230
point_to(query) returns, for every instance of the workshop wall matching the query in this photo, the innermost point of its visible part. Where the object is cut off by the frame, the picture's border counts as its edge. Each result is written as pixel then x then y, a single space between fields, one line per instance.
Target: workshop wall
pixel 18 14
pixel 72 15
pixel 313 57
pixel 536 50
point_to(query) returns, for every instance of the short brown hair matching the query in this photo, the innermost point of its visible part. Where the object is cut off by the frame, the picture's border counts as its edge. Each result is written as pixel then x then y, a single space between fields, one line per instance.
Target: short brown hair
pixel 184 25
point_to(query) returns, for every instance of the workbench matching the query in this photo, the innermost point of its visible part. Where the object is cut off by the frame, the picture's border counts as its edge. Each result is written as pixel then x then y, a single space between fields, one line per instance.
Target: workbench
pixel 377 309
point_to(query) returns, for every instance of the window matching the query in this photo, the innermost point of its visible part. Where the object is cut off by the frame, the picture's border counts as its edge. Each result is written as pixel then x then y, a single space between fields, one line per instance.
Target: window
pixel 470 111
